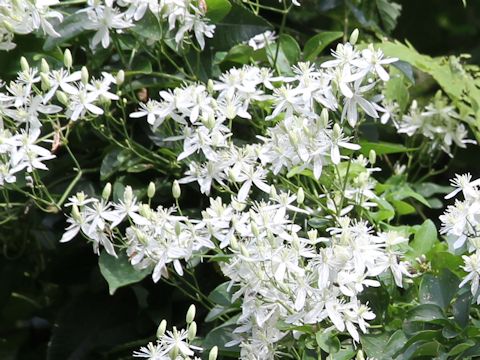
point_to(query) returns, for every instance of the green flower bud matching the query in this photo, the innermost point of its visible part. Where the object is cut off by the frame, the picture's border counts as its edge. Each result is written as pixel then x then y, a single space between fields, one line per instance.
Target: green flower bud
pixel 76 213
pixel 324 117
pixel 107 190
pixel 161 328
pixel 120 78
pixel 151 190
pixel 62 97
pixel 67 58
pixel 24 64
pixel 244 251
pixel 45 81
pixel 192 330
pixel 336 131
pixel 300 196
pixel 212 355
pixel 354 37
pixel 190 314
pixel 176 191
pixel 372 156
pixel 233 242
pixel 85 75
pixel 210 86
pixel 128 195
pixel 44 68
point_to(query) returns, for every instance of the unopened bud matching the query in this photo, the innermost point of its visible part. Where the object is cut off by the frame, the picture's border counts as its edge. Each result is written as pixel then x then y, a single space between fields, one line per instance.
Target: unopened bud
pixel 151 190
pixel 45 81
pixel 120 78
pixel 107 190
pixel 67 59
pixel 372 156
pixel 178 228
pixel 24 64
pixel 85 75
pixel 354 37
pixel 161 328
pixel 210 86
pixel 190 314
pixel 44 66
pixel 360 355
pixel 192 331
pixel 76 213
pixel 62 97
pixel 300 196
pixel 212 355
pixel 233 242
pixel 336 131
pixel 254 229
pixel 176 191
pixel 244 251
pixel 128 195
pixel 324 117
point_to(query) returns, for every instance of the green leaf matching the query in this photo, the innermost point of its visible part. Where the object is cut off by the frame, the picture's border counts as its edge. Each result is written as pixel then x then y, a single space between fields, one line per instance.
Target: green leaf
pixel 217 9
pixel 421 348
pixel 119 272
pixel 389 12
pixel 221 335
pixel 327 341
pixel 424 239
pixel 426 313
pixel 457 349
pixel 222 295
pixel 402 207
pixel 397 91
pixel 149 27
pixel 438 290
pixel 238 26
pixel 382 148
pixel 240 54
pixel 68 29
pixel 316 44
pixel 461 308
pixel 383 346
pixel 404 191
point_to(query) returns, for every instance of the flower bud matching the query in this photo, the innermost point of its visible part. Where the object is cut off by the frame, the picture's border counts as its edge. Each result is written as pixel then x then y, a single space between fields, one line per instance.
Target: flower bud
pixel 62 97
pixel 233 242
pixel 372 156
pixel 128 195
pixel 254 229
pixel 244 251
pixel 360 355
pixel 300 196
pixel 161 328
pixel 212 355
pixel 76 213
pixel 190 314
pixel 8 26
pixel 273 191
pixel 45 81
pixel 67 59
pixel 44 68
pixel 178 228
pixel 107 190
pixel 176 191
pixel 24 64
pixel 192 330
pixel 210 86
pixel 324 117
pixel 337 131
pixel 85 75
pixel 151 190
pixel 354 37
pixel 120 78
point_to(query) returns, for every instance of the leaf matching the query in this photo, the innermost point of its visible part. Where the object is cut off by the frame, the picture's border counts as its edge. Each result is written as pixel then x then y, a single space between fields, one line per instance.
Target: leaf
pixel 217 10
pixel 327 341
pixel 461 308
pixel 238 26
pixel 240 54
pixel 402 207
pixel 397 91
pixel 221 295
pixel 438 290
pixel 382 148
pixel 383 346
pixel 316 44
pixel 68 29
pixel 421 348
pixel 428 189
pixel 221 335
pixel 389 12
pixel 457 349
pixel 119 272
pixel 149 27
pixel 426 313
pixel 424 239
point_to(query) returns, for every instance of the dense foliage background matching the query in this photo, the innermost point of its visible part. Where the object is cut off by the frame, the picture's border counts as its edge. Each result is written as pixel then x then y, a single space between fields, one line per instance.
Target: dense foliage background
pixel 54 301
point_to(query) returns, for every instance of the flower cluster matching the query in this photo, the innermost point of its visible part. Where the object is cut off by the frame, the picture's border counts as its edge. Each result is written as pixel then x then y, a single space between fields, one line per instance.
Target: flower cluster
pixel 460 223
pixel 183 17
pixel 438 122
pixel 154 239
pixel 24 17
pixel 175 344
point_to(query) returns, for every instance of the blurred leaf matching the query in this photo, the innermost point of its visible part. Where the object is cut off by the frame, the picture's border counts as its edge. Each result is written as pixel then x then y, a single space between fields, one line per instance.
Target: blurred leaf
pixel 217 9
pixel 396 91
pixel 238 26
pixel 316 44
pixel 68 29
pixel 424 239
pixel 426 313
pixel 383 346
pixel 118 271
pixel 382 148
pixel 222 295
pixel 389 12
pixel 327 341
pixel 461 308
pixel 148 27
pixel 439 290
